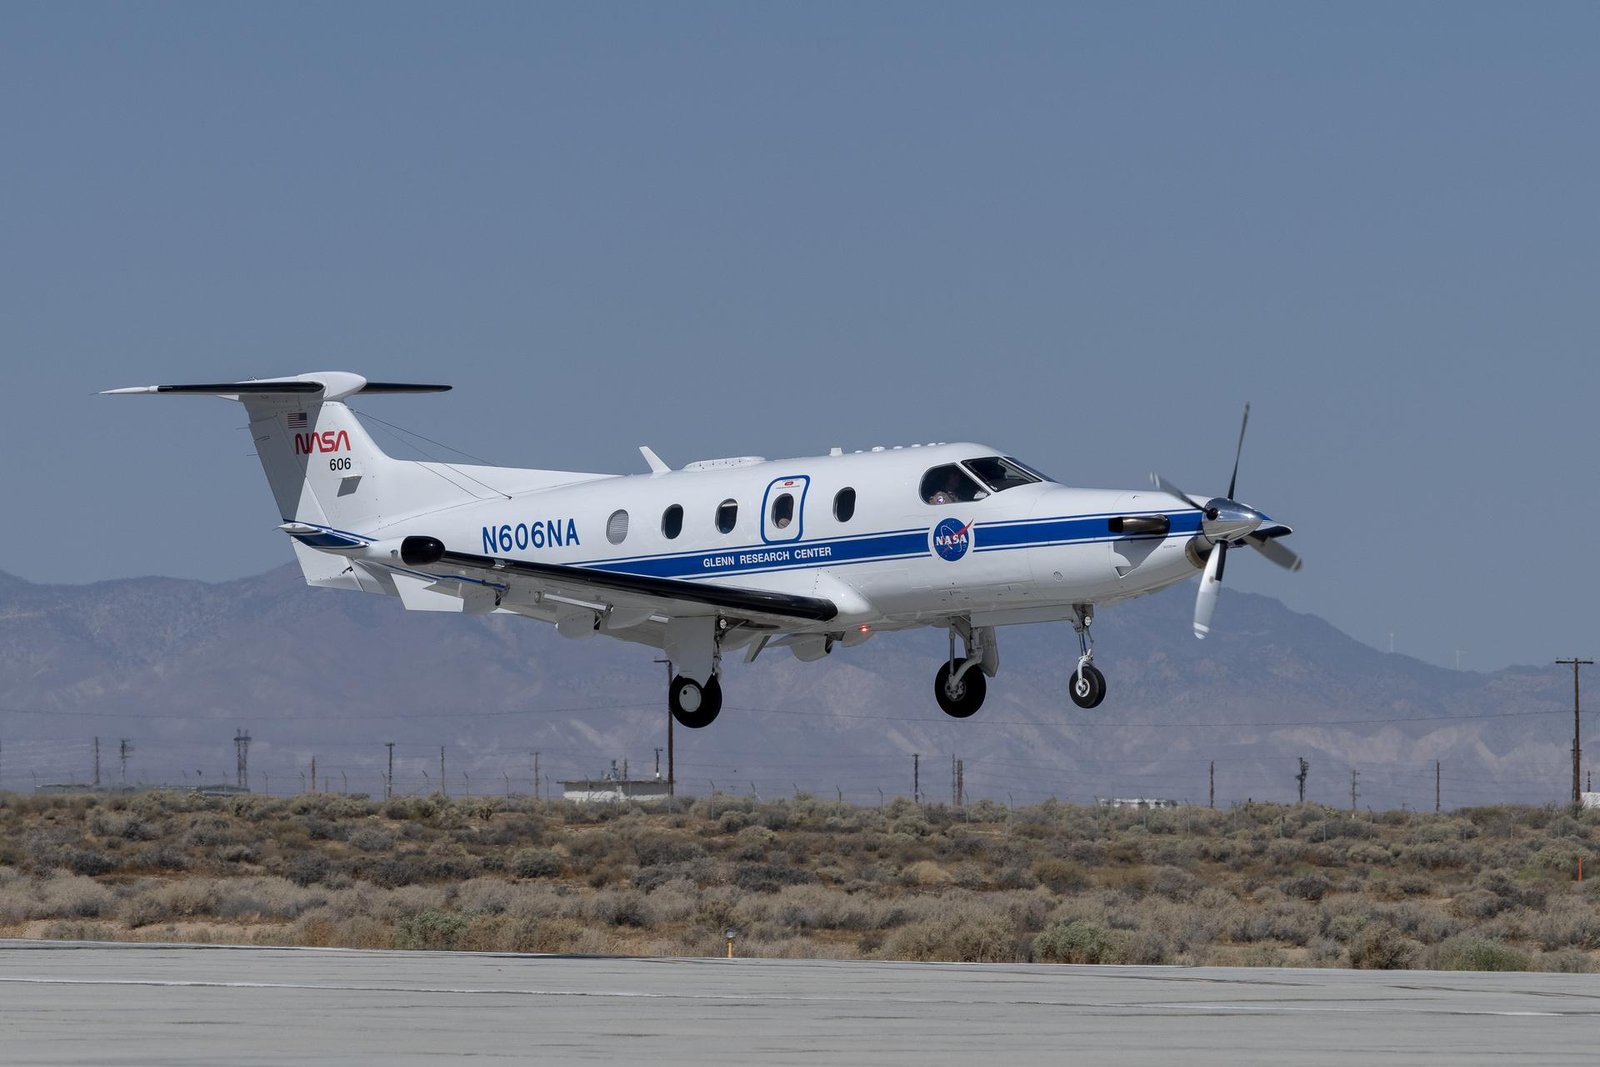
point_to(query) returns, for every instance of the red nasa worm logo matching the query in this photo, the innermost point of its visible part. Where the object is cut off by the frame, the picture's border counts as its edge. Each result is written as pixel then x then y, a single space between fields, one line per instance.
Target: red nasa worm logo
pixel 306 444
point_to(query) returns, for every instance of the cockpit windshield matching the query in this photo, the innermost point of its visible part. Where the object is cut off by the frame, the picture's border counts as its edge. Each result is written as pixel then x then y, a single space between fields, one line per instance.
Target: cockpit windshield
pixel 1000 473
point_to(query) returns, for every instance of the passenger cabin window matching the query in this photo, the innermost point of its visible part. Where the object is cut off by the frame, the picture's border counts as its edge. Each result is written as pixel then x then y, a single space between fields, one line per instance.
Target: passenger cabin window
pixel 672 521
pixel 844 504
pixel 1000 473
pixel 950 485
pixel 617 527
pixel 782 511
pixel 727 515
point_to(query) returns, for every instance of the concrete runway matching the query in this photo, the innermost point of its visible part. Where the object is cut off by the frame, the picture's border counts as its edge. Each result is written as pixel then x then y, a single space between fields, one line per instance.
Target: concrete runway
pixel 79 1003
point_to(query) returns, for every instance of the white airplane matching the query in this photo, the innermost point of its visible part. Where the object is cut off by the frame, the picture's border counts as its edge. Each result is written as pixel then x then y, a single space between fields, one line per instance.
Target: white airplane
pixel 739 553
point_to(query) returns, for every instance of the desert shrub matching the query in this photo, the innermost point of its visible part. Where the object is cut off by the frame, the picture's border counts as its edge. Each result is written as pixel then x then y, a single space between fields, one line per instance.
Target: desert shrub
pixel 79 931
pixel 371 839
pixel 1567 961
pixel 160 858
pixel 74 897
pixel 437 930
pixel 1074 942
pixel 620 907
pixel 411 809
pixel 239 853
pixel 1282 921
pixel 768 877
pixel 1567 923
pixel 309 868
pixel 1481 954
pixel 925 873
pixel 1380 946
pixel 1478 904
pixel 1060 875
pixel 536 863
pixel 966 935
pixel 1312 887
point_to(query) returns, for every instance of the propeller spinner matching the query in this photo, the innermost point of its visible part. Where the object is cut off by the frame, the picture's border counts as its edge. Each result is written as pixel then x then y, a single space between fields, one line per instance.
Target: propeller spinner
pixel 1225 522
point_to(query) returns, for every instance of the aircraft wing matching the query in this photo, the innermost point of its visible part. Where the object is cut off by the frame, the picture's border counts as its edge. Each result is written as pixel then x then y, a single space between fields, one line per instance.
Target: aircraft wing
pixel 633 593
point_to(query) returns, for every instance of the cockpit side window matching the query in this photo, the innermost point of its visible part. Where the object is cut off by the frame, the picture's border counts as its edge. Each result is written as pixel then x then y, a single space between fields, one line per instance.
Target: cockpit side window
pixel 950 484
pixel 1000 474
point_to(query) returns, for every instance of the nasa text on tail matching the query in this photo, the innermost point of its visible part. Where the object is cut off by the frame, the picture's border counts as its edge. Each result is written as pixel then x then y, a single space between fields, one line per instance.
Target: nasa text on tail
pixel 740 554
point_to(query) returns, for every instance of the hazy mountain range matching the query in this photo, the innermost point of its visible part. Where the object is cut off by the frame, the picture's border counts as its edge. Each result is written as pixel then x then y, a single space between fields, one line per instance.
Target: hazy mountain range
pixel 177 667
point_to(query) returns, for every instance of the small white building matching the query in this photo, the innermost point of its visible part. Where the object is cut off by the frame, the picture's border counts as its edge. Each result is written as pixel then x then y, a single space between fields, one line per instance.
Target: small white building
pixel 611 790
pixel 1137 802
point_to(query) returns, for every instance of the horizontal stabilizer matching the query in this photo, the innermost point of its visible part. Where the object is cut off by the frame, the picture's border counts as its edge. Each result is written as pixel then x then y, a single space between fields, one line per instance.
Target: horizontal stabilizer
pixel 328 385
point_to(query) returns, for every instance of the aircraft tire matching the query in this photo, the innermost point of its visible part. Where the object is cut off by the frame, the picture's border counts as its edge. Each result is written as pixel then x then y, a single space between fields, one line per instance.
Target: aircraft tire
pixel 1089 690
pixel 972 689
pixel 695 706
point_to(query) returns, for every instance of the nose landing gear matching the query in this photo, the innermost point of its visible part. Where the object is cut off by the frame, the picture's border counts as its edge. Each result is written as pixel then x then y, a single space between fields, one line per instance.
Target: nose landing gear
pixel 1088 685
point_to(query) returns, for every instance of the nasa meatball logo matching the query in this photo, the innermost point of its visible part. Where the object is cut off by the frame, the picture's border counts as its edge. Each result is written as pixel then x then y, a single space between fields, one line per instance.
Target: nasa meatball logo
pixel 950 539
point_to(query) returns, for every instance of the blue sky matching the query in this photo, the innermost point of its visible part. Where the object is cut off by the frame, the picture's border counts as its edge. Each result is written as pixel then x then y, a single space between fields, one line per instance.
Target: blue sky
pixel 1085 234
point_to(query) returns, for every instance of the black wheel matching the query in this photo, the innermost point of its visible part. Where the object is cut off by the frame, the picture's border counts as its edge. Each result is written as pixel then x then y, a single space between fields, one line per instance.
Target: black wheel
pixel 965 697
pixel 1088 687
pixel 695 706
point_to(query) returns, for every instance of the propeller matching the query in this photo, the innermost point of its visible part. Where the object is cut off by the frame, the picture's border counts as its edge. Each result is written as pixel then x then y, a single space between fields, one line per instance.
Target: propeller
pixel 1225 522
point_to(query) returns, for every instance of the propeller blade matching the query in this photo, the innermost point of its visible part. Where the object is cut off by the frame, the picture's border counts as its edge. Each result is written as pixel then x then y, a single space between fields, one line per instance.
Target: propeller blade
pixel 1233 482
pixel 1205 601
pixel 1283 557
pixel 1172 490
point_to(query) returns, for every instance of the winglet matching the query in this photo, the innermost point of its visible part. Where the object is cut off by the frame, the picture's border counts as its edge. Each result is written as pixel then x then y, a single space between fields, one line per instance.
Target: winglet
pixel 650 457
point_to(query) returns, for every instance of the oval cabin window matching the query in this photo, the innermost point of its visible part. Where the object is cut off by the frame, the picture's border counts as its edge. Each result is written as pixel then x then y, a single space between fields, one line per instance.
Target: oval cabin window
pixel 617 527
pixel 727 515
pixel 672 521
pixel 844 505
pixel 782 512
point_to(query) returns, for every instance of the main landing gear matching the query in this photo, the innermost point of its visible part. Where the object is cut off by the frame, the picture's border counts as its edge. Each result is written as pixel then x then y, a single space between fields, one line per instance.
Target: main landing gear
pixel 1088 686
pixel 960 685
pixel 694 705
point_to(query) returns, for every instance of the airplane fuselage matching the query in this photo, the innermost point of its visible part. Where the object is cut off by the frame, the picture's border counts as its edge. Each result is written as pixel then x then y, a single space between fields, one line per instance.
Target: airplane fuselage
pixel 857 529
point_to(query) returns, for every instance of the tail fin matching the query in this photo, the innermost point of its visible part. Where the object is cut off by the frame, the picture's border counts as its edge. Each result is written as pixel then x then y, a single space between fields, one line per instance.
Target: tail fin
pixel 332 481
pixel 325 471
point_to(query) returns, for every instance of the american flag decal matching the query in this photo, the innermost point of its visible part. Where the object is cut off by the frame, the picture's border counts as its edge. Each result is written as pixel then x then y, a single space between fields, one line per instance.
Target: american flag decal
pixel 297 420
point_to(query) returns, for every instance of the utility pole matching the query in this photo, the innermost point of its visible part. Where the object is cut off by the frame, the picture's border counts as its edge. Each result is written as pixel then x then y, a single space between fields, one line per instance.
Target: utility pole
pixel 961 783
pixel 1577 749
pixel 313 774
pixel 1436 787
pixel 538 789
pixel 444 783
pixel 388 779
pixel 1305 768
pixel 241 749
pixel 672 776
pixel 658 764
pixel 916 777
pixel 97 763
pixel 1354 774
pixel 1213 792
pixel 955 796
pixel 125 749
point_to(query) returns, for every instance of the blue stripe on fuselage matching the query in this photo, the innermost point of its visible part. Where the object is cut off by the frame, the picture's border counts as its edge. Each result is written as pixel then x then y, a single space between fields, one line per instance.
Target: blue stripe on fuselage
pixel 874 548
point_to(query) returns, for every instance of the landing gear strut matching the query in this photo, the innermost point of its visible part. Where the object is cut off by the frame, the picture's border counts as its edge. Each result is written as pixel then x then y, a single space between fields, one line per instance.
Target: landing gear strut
pixel 1088 685
pixel 695 706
